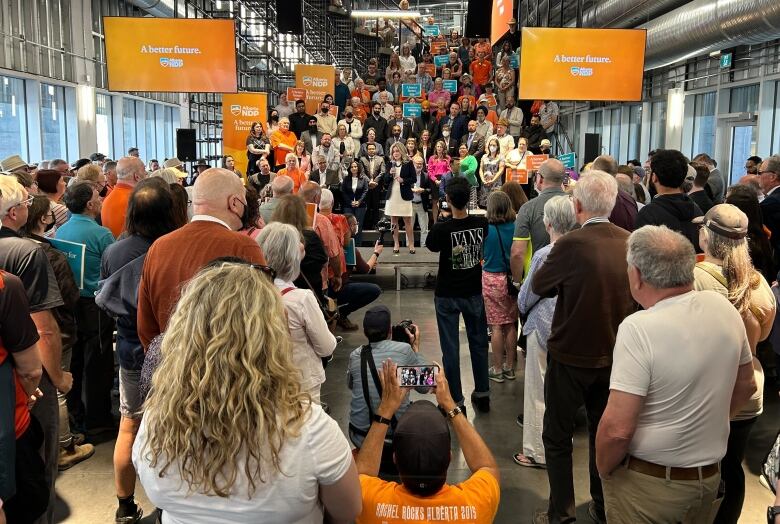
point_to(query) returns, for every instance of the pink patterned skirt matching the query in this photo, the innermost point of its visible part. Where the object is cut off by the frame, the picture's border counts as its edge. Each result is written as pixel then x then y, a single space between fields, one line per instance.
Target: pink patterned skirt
pixel 500 307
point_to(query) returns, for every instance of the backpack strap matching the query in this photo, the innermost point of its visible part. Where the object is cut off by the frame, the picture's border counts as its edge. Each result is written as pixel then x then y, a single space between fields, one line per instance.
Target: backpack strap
pixel 717 275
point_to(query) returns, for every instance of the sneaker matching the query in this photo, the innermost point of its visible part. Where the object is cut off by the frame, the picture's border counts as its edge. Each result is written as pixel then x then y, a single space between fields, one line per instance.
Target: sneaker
pixel 595 515
pixel 495 375
pixel 70 457
pixel 509 374
pixel 132 518
pixel 481 403
pixel 541 517
pixel 347 325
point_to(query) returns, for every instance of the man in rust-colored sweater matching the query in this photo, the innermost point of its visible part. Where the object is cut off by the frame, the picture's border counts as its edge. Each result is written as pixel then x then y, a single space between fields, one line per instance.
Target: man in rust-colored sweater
pixel 219 201
pixel 587 271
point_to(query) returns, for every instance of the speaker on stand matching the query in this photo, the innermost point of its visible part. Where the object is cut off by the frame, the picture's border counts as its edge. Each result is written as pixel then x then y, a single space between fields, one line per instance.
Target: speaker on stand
pixel 186 145
pixel 289 16
pixel 478 19
pixel 592 147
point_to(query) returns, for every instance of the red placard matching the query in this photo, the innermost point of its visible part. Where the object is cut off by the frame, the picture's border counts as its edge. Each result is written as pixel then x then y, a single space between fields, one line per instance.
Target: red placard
pixel 534 161
pixel 517 175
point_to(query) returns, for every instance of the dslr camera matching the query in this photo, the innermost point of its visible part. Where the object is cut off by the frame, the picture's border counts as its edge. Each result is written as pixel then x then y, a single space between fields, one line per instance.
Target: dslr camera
pixel 399 331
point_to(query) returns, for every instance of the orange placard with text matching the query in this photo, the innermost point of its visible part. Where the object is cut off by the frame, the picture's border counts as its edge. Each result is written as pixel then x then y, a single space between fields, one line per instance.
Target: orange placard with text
pixel 170 55
pixel 533 162
pixel 239 111
pixel 517 175
pixel 430 69
pixel 318 81
pixel 334 110
pixel 582 64
pixel 502 13
pixel 439 46
pixel 311 214
pixel 294 93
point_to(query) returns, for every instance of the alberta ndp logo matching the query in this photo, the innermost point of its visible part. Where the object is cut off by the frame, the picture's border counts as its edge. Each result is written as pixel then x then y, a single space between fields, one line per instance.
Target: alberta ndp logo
pixel 313 81
pixel 239 110
pixel 172 63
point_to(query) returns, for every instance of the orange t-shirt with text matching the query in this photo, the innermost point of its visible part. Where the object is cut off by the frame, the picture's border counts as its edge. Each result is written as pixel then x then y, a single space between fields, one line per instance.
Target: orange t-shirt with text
pixel 474 501
pixel 480 71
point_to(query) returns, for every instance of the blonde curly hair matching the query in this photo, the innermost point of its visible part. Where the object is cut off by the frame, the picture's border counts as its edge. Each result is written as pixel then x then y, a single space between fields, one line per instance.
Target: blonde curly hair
pixel 226 395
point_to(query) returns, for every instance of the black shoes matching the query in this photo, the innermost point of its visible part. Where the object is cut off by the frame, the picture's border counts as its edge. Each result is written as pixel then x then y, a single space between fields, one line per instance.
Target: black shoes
pixel 481 403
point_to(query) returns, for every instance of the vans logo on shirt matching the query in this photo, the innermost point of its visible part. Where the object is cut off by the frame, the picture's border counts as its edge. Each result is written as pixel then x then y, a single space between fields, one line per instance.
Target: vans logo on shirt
pixel 467 248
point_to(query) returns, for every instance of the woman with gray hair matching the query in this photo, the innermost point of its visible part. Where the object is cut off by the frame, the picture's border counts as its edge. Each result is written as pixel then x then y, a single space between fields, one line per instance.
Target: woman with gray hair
pixel 727 269
pixel 399 180
pixel 311 339
pixel 558 219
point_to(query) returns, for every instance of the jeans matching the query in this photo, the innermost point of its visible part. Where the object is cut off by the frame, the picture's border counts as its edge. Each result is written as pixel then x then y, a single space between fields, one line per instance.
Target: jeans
pixel 47 411
pixel 422 220
pixel 355 295
pixel 448 311
pixel 732 473
pixel 66 437
pixel 566 388
pixel 360 215
pixel 92 365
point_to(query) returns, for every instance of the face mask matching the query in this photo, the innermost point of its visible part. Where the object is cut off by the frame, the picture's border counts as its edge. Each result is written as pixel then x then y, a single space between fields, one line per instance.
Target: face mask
pixel 245 218
pixel 103 192
pixel 274 118
pixel 348 115
pixel 493 149
pixel 49 226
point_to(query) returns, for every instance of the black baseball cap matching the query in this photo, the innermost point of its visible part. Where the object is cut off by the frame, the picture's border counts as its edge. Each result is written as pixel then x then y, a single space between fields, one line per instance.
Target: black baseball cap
pixel 421 444
pixel 377 319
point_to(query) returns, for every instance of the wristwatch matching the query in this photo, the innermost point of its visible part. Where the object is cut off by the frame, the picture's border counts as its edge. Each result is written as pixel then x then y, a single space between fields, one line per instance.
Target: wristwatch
pixel 454 412
pixel 376 254
pixel 379 418
pixel 771 513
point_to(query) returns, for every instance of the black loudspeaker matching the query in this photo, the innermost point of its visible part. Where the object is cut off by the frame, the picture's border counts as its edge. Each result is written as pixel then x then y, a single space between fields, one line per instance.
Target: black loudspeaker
pixel 478 18
pixel 289 16
pixel 592 147
pixel 185 145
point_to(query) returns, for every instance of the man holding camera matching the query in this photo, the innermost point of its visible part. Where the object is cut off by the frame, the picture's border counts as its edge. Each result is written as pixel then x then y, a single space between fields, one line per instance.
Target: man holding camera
pixel 421 450
pixel 384 342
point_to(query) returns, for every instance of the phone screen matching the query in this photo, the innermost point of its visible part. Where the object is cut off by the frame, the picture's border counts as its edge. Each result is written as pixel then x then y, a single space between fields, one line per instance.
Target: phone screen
pixel 417 376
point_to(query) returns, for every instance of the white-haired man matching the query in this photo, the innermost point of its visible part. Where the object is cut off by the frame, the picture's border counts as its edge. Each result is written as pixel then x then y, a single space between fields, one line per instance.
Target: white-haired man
pixel 665 428
pixel 586 270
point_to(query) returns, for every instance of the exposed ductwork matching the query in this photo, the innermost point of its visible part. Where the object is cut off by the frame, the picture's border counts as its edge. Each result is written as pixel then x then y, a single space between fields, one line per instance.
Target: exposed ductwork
pixel 619 13
pixel 702 26
pixel 156 8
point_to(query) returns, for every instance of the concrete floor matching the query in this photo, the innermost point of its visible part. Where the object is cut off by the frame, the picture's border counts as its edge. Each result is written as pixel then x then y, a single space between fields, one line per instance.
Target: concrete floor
pixel 86 492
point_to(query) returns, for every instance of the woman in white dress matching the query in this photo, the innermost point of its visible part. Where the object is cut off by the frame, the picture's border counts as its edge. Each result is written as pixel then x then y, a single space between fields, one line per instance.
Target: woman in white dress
pixel 399 181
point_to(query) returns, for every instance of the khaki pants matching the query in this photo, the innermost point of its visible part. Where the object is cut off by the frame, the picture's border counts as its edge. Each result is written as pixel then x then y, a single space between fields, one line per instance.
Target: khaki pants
pixel 631 497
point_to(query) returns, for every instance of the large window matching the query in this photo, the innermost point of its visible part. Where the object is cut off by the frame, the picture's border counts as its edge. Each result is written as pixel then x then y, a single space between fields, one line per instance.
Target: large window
pixel 54 138
pixel 13 121
pixel 704 124
pixel 170 130
pixel 658 125
pixel 634 131
pixel 129 125
pixel 614 133
pixel 744 99
pixel 775 148
pixel 104 125
pixel 150 150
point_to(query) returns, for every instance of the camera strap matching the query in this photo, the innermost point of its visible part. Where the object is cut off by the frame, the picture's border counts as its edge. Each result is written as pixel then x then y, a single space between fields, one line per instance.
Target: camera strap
pixel 367 361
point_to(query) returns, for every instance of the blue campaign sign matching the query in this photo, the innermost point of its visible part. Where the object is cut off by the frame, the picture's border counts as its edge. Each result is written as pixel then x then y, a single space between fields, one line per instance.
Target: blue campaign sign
pixel 350 257
pixel 432 30
pixel 441 60
pixel 568 160
pixel 76 254
pixel 450 85
pixel 514 61
pixel 411 90
pixel 412 110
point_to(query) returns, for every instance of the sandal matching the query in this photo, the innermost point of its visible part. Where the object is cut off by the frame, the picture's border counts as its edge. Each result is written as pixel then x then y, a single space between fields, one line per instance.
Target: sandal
pixel 396 251
pixel 522 460
pixel 412 251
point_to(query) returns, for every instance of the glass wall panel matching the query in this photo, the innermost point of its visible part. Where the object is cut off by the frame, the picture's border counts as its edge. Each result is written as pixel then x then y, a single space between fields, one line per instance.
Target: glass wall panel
pixel 54 138
pixel 744 99
pixel 614 133
pixel 129 125
pixel 13 119
pixel 704 124
pixel 634 131
pixel 658 125
pixel 104 125
pixel 150 150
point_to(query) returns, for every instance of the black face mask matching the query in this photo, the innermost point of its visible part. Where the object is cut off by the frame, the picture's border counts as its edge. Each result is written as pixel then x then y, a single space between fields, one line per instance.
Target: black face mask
pixel 104 191
pixel 48 227
pixel 274 118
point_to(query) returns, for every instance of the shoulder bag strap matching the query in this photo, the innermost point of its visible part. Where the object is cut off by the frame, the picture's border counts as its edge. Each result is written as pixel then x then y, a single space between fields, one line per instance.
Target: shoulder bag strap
pixel 287 290
pixel 723 282
pixel 503 252
pixel 367 360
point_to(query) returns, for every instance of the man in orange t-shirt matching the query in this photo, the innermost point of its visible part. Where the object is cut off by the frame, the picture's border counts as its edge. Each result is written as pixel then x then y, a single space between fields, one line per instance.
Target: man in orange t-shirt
pixel 421 449
pixel 129 171
pixel 282 142
pixel 481 70
pixel 293 171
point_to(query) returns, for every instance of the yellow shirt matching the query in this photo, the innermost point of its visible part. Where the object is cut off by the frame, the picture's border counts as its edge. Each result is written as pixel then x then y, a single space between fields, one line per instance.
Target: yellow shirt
pixel 474 501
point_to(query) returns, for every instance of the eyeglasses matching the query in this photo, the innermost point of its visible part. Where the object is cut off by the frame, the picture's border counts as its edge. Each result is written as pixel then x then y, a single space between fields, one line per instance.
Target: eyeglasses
pixel 763 172
pixel 27 202
pixel 266 270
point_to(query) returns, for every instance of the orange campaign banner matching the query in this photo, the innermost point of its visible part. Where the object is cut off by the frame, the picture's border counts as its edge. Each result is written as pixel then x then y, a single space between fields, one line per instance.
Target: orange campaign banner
pixel 318 80
pixel 170 55
pixel 582 64
pixel 517 175
pixel 502 13
pixel 293 94
pixel 239 112
pixel 534 161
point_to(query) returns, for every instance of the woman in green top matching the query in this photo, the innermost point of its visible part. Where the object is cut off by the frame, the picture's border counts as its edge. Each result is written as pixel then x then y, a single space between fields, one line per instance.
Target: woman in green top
pixel 468 169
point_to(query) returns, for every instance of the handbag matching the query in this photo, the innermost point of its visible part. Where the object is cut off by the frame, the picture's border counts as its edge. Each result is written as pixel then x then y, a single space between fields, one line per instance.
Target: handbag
pixel 510 285
pixel 329 308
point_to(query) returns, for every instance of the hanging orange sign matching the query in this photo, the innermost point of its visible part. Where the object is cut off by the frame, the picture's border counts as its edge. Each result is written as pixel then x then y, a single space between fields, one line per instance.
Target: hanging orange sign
pixel 239 112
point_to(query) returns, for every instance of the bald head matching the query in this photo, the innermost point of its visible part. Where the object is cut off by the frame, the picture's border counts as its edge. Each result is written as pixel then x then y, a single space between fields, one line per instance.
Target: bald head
pixel 310 192
pixel 219 193
pixel 605 163
pixel 130 170
pixel 281 185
